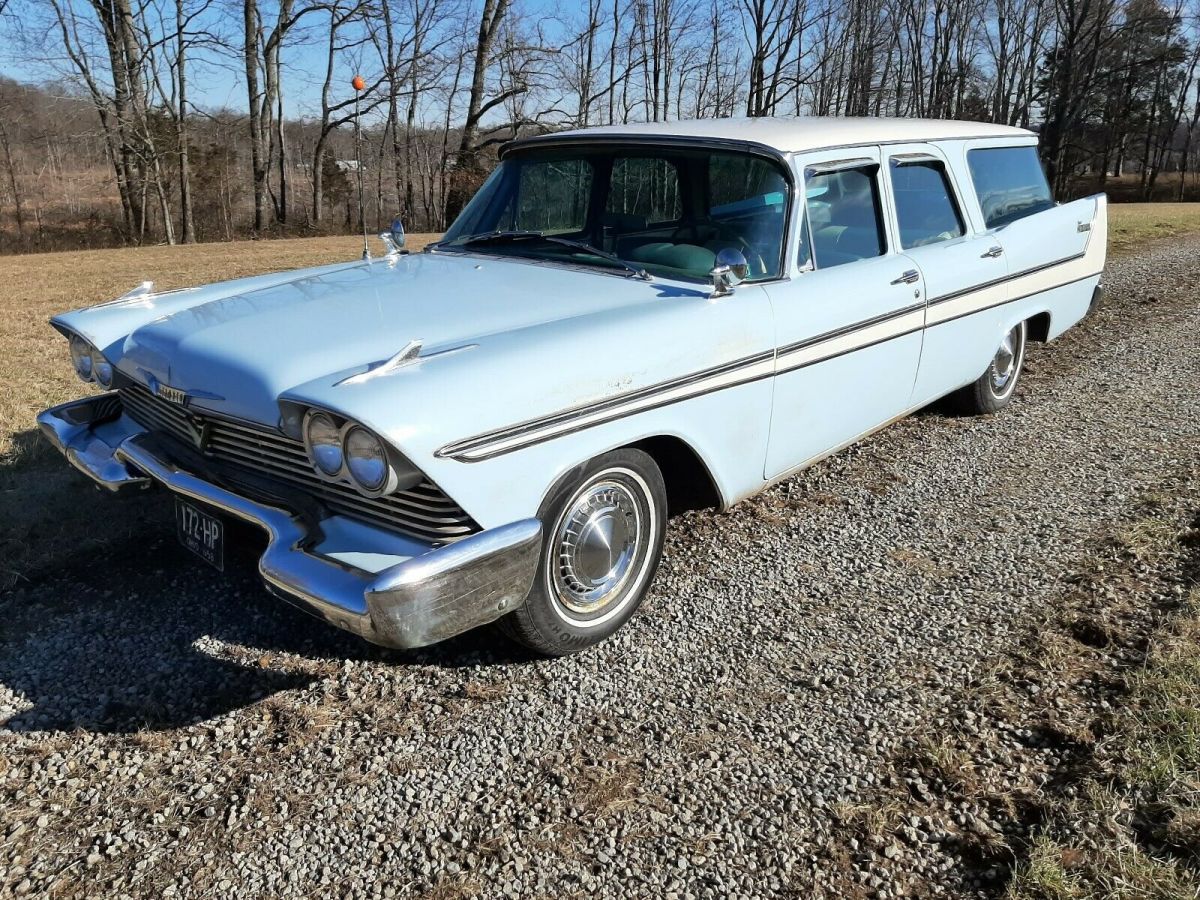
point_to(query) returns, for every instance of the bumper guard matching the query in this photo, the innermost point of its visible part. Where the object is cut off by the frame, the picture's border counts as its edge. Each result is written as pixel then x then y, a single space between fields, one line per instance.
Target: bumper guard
pixel 442 592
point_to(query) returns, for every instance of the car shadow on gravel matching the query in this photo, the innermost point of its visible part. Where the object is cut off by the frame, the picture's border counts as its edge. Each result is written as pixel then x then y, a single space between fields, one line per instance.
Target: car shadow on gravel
pixel 152 639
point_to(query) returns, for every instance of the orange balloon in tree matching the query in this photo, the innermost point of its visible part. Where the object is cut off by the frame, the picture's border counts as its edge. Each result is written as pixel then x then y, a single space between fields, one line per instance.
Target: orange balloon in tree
pixel 358 82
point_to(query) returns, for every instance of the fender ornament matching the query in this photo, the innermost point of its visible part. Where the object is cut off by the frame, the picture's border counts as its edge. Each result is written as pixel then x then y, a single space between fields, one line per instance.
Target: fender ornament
pixel 408 354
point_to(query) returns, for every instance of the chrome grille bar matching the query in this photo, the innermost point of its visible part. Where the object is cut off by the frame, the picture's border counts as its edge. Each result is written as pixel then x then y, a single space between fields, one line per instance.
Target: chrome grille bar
pixel 423 511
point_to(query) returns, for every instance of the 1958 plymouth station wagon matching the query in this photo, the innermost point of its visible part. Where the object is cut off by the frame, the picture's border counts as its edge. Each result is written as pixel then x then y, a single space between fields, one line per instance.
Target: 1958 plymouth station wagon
pixel 622 322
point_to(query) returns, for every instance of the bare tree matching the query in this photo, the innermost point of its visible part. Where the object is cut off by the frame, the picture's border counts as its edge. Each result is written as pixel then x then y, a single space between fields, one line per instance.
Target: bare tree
pixel 261 49
pixel 11 166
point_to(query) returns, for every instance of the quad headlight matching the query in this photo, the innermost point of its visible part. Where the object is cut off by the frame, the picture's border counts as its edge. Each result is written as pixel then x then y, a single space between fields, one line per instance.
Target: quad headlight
pixel 89 363
pixel 323 439
pixel 102 369
pixel 341 450
pixel 81 357
pixel 366 459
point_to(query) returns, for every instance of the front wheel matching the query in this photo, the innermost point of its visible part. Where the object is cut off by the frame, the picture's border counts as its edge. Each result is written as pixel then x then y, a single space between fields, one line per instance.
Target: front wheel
pixel 994 389
pixel 602 540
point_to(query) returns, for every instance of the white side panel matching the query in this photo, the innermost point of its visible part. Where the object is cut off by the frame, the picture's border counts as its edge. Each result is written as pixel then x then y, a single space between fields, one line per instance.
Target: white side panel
pixel 1054 265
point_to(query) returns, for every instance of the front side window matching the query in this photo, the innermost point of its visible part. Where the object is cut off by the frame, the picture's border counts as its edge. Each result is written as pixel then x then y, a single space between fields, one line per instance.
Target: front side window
pixel 844 215
pixel 668 211
pixel 1009 182
pixel 925 207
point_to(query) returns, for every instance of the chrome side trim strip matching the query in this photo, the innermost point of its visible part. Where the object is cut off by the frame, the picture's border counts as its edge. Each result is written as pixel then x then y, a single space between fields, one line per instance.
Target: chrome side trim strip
pixel 534 431
pixel 791 357
pixel 1005 302
pixel 850 329
pixel 995 282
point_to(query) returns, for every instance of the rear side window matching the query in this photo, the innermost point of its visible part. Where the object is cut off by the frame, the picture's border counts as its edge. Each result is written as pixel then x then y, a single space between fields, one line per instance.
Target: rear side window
pixel 925 207
pixel 844 215
pixel 1009 182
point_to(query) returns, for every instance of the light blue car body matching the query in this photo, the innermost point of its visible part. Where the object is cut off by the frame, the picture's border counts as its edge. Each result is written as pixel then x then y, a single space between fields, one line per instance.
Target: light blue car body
pixel 526 370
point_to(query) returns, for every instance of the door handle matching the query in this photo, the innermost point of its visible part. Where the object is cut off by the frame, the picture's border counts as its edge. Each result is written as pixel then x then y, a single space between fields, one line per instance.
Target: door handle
pixel 992 252
pixel 912 276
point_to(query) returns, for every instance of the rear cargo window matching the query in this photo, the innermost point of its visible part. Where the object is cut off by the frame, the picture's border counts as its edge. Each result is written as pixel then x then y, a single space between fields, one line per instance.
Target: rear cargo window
pixel 1009 182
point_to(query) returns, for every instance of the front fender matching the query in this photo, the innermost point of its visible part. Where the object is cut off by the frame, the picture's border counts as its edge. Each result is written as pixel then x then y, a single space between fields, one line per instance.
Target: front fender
pixel 685 365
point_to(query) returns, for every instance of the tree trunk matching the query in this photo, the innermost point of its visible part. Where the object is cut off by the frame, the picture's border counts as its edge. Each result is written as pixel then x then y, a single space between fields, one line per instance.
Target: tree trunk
pixel 12 180
pixel 468 172
pixel 181 131
pixel 281 146
pixel 258 166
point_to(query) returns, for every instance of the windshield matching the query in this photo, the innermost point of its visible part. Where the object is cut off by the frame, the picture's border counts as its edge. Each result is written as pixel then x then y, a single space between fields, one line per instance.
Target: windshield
pixel 665 211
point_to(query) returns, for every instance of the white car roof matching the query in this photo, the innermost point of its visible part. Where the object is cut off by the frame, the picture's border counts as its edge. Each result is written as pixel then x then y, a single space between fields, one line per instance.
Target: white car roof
pixel 800 133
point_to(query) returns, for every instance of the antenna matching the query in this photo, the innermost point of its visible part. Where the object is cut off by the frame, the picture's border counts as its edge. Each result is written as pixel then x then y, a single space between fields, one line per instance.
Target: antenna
pixel 358 84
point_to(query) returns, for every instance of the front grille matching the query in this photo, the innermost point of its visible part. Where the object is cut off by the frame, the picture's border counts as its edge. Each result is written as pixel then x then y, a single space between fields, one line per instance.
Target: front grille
pixel 422 511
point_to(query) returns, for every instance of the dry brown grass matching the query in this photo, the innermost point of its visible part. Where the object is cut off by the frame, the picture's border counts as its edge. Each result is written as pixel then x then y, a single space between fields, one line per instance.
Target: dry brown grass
pixel 1130 225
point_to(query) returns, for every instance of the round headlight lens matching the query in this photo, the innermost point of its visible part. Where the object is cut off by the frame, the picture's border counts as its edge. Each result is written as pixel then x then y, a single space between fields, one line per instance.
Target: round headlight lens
pixel 102 369
pixel 81 357
pixel 366 458
pixel 324 444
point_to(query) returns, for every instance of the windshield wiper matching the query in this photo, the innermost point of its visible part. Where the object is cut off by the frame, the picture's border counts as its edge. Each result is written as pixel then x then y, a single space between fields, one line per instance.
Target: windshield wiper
pixel 505 237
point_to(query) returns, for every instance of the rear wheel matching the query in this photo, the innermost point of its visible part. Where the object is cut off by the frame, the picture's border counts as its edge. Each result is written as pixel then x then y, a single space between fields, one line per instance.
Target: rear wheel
pixel 994 389
pixel 602 540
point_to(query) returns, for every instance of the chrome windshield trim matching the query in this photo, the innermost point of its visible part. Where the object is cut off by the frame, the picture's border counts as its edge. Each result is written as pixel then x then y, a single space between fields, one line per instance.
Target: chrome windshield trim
pixel 606 142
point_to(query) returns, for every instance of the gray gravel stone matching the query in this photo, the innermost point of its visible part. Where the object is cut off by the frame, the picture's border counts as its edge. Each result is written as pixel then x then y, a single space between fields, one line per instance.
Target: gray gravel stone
pixel 169 731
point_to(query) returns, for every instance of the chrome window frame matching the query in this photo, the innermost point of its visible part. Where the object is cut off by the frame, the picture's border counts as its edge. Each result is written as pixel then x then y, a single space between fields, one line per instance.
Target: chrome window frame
pixel 899 160
pixel 883 218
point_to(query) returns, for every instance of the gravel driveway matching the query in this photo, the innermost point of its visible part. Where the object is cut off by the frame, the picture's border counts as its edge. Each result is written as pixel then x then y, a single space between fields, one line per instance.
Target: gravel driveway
pixel 168 730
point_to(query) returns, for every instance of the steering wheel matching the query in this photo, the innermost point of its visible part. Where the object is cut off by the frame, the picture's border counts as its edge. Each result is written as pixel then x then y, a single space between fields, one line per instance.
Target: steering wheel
pixel 690 233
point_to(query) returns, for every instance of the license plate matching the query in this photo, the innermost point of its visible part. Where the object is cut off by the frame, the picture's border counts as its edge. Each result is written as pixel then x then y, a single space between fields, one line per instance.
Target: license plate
pixel 200 532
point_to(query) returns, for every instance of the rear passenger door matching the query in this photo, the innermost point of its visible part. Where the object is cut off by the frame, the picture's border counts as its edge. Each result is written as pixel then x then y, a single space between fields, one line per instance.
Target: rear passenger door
pixel 956 263
pixel 848 323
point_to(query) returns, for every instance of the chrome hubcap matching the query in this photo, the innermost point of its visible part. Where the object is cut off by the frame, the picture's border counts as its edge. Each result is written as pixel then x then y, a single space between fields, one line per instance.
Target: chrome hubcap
pixel 596 542
pixel 1005 362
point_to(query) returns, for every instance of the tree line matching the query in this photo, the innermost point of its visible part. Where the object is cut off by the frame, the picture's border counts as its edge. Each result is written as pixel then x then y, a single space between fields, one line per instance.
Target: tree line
pixel 116 148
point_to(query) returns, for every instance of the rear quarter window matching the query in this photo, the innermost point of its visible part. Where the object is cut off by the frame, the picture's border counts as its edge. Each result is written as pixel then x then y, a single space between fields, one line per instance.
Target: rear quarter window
pixel 1009 183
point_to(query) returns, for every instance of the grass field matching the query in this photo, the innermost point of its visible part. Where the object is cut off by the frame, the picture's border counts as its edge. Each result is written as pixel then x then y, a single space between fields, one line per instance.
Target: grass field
pixel 1132 224
pixel 44 512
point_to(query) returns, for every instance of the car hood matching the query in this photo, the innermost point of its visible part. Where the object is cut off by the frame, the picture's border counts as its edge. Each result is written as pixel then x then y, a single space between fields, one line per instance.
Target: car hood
pixel 235 353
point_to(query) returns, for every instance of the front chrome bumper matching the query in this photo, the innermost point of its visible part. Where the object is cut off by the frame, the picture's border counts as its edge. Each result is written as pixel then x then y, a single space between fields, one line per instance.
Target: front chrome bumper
pixel 432 595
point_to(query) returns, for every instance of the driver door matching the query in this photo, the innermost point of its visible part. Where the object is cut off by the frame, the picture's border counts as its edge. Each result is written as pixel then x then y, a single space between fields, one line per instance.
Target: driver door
pixel 849 323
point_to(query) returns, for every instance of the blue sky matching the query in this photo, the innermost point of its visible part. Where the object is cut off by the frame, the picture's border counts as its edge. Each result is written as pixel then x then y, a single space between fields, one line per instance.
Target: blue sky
pixel 217 79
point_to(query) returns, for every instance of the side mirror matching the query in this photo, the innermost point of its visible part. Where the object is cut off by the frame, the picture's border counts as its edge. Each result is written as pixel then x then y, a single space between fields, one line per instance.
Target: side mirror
pixel 394 238
pixel 729 271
